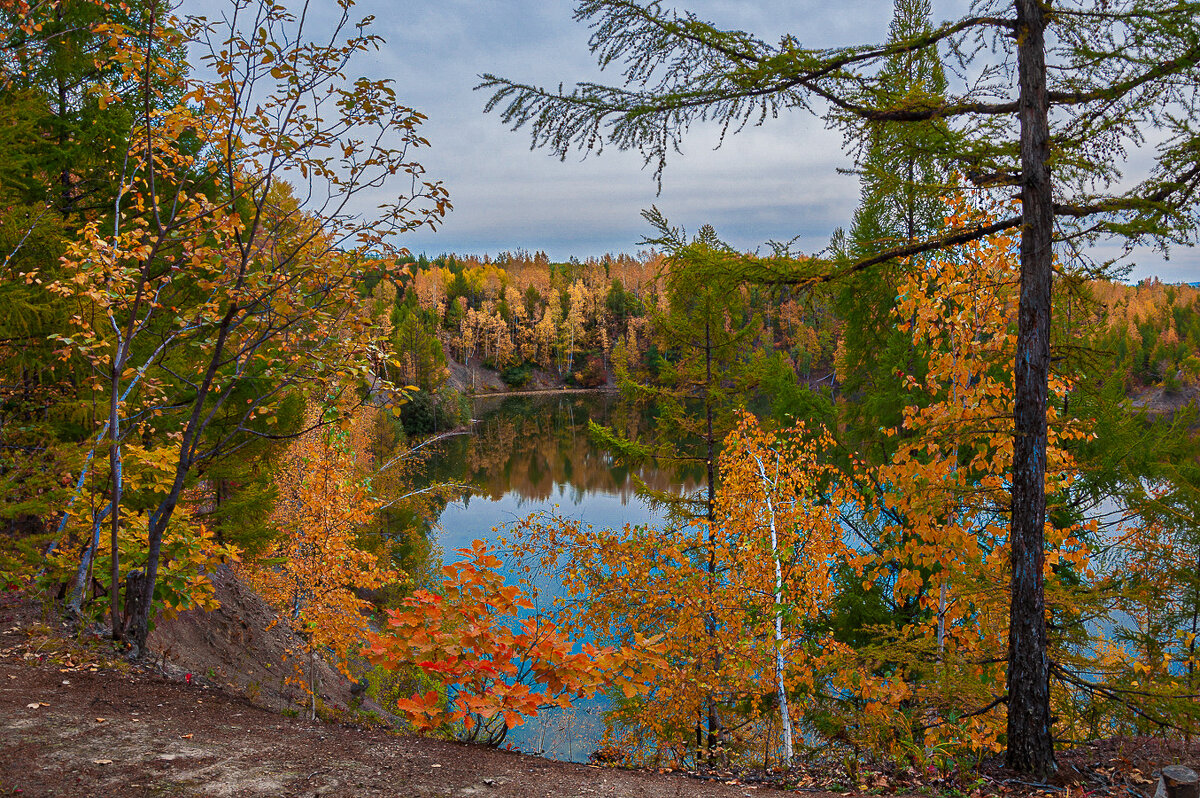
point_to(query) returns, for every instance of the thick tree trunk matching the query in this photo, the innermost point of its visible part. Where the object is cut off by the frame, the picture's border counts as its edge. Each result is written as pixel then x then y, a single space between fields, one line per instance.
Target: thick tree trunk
pixel 115 476
pixel 712 741
pixel 1030 744
pixel 64 135
pixel 134 584
pixel 1177 781
pixel 137 627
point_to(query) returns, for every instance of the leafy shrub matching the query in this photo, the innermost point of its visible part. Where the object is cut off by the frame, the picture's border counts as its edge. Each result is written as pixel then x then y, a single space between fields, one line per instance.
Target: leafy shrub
pixel 425 413
pixel 593 374
pixel 517 376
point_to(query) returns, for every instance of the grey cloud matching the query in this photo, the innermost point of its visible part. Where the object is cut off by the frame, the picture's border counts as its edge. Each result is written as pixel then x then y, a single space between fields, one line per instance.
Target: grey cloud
pixel 773 182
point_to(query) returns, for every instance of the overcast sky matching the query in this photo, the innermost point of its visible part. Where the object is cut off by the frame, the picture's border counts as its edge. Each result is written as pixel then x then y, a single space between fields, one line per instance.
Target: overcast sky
pixel 775 182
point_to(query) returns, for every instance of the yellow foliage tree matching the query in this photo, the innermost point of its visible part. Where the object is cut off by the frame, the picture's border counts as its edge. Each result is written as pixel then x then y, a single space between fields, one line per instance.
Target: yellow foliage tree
pixel 788 547
pixel 748 605
pixel 315 568
pixel 715 610
pixel 211 295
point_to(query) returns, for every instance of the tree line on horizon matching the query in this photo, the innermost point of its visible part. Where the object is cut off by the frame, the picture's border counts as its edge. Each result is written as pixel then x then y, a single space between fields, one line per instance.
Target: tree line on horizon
pixel 209 356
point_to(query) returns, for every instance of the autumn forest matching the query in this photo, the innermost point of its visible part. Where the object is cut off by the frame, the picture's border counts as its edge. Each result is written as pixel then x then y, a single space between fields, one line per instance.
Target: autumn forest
pixel 928 497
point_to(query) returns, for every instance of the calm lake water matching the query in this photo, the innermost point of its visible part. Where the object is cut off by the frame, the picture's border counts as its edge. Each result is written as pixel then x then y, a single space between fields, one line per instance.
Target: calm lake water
pixel 533 454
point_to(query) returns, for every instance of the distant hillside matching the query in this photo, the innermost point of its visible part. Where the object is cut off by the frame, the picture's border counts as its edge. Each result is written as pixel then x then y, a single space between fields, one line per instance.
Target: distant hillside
pixel 1153 329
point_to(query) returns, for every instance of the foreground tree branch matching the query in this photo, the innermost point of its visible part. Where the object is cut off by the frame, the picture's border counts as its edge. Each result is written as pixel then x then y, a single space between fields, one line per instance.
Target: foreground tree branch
pixel 1121 73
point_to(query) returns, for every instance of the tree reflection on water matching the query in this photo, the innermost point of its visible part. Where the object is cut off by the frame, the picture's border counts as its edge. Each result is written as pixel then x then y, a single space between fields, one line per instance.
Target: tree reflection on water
pixel 528 452
pixel 533 454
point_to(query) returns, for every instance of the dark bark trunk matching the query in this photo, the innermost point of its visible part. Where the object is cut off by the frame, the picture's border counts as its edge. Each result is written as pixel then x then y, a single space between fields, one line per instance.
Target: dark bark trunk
pixel 714 723
pixel 1030 744
pixel 64 177
pixel 134 586
pixel 137 628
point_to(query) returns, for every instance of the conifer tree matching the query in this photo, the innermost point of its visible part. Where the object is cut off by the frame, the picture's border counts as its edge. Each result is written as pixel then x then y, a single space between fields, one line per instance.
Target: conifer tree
pixel 414 340
pixel 57 58
pixel 702 359
pixel 705 363
pixel 902 184
pixel 56 149
pixel 1111 70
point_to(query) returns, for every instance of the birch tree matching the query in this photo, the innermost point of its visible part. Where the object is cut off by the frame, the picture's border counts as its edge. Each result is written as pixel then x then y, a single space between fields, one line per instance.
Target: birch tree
pixel 1117 74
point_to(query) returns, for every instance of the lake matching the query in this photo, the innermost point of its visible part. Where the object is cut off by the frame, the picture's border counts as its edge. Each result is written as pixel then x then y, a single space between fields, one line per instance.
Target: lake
pixel 533 454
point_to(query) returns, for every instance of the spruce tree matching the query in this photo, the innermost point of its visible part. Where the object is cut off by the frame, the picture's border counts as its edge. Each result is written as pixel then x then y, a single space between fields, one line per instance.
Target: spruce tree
pixel 902 183
pixel 705 361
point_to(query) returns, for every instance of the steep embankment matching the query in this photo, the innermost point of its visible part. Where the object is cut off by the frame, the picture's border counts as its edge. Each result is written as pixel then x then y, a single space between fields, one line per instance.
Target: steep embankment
pixel 475 379
pixel 242 647
pixel 1158 401
pixel 107 733
pixel 77 722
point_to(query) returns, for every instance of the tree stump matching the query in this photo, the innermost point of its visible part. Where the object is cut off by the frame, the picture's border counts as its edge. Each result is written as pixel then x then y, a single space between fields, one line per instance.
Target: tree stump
pixel 134 582
pixel 1177 781
pixel 357 691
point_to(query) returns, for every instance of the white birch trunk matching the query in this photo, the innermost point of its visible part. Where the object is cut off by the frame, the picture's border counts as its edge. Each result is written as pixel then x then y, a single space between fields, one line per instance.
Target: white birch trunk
pixel 785 718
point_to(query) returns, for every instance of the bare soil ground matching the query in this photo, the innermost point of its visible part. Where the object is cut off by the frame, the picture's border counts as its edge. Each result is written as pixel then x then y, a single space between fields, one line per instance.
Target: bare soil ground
pixel 67 732
pixel 77 721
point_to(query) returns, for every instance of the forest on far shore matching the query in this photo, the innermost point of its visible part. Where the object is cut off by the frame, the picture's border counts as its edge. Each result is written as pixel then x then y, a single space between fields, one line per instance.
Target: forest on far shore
pixel 514 311
pixel 946 471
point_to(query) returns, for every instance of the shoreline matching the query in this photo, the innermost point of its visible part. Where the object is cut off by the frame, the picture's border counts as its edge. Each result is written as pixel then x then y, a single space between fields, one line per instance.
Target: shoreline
pixel 541 391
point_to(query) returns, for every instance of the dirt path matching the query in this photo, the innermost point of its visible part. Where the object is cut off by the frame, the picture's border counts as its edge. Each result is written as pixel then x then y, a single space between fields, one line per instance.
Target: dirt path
pixel 66 730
